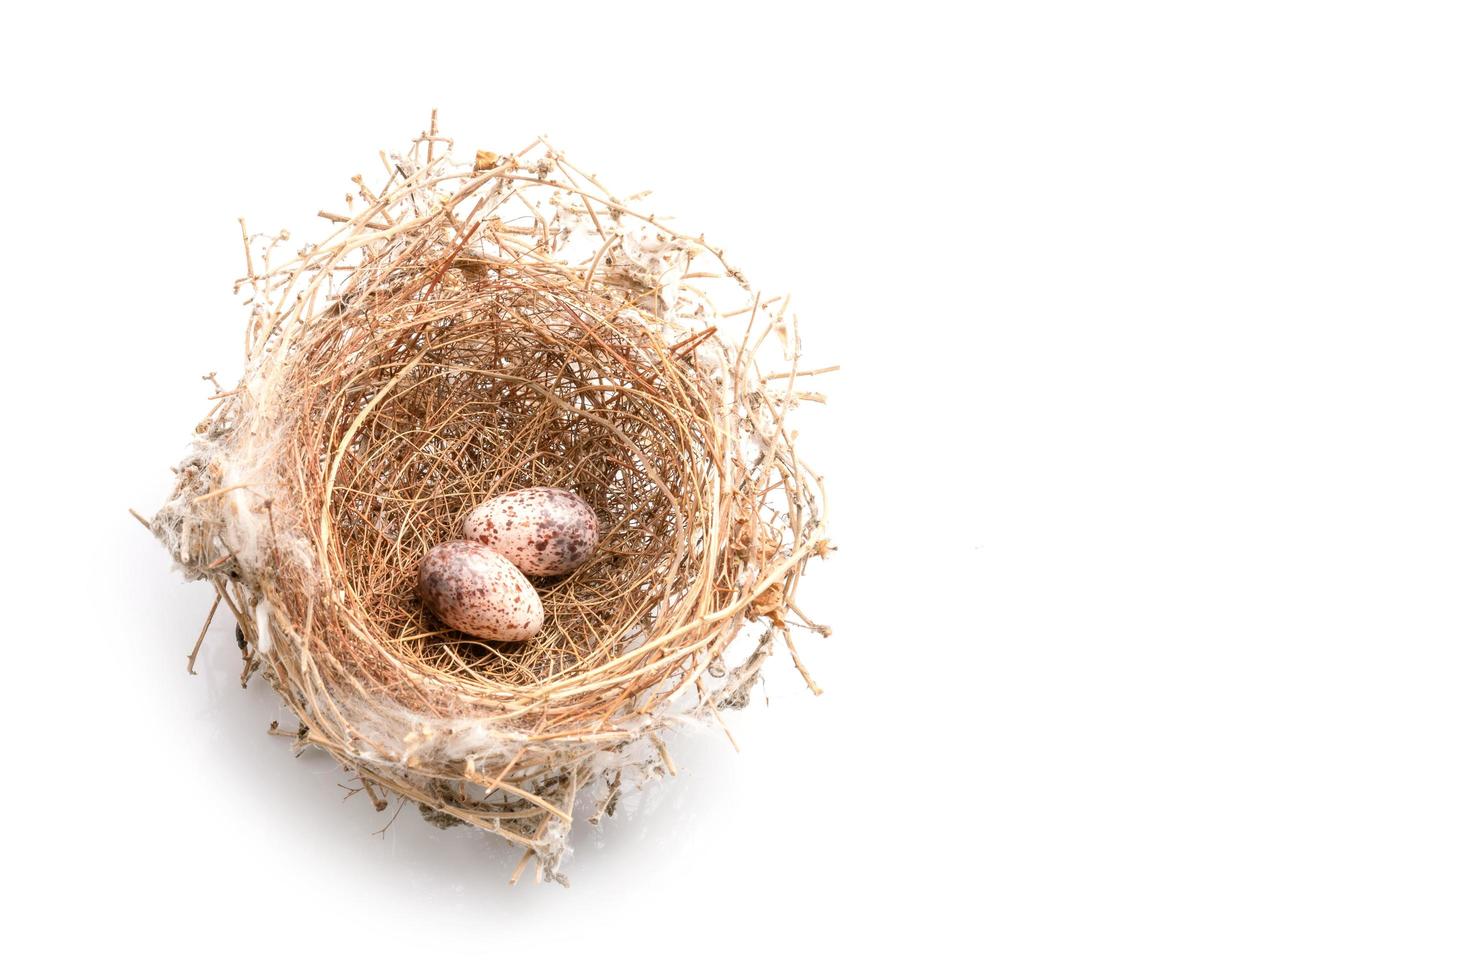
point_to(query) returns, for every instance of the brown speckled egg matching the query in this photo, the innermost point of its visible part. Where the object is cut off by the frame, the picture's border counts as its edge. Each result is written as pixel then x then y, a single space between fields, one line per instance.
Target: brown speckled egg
pixel 543 530
pixel 475 590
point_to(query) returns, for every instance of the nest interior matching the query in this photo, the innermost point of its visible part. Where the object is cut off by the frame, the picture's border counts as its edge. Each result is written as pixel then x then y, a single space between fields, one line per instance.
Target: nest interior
pixel 472 327
pixel 510 390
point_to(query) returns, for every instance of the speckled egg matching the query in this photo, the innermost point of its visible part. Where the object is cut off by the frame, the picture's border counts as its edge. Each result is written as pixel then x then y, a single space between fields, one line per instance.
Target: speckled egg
pixel 543 530
pixel 473 589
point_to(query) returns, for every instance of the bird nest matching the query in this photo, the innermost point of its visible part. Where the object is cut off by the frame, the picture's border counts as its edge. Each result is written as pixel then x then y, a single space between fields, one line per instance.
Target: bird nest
pixel 468 328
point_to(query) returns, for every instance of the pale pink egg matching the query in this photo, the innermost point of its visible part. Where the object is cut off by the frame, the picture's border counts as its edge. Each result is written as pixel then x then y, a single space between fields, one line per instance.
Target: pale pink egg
pixel 543 530
pixel 474 590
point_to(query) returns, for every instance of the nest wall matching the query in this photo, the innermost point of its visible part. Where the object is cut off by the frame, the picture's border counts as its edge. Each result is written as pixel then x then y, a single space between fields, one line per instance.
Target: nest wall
pixel 467 328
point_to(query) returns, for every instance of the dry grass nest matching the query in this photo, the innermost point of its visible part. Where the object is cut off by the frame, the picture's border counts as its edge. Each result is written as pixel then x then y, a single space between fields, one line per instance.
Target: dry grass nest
pixel 467 328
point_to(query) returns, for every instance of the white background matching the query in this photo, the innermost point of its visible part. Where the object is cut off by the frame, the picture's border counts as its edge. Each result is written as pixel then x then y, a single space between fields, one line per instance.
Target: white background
pixel 1149 462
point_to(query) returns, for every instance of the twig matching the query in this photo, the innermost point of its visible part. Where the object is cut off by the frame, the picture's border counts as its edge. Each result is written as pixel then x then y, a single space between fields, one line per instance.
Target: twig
pixel 202 631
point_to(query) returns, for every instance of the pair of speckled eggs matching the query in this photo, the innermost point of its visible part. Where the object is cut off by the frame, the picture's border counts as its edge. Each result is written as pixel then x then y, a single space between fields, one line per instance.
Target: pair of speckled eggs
pixel 478 585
